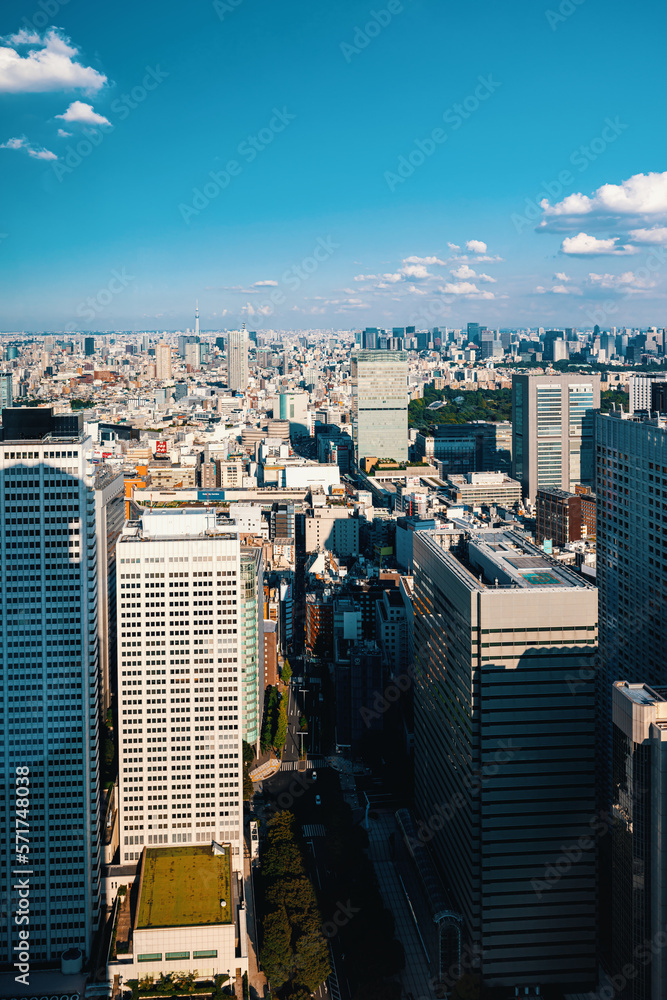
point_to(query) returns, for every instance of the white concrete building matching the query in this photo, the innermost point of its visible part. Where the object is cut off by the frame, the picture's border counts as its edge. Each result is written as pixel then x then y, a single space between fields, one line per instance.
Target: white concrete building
pixel 237 360
pixel 179 683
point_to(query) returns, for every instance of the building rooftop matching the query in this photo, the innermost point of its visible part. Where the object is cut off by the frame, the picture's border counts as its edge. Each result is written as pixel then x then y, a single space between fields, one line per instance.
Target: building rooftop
pixel 185 887
pixel 640 694
pixel 511 560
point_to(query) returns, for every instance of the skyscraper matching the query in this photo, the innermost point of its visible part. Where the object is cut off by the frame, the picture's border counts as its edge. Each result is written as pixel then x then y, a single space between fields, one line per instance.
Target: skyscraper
pixel 49 672
pixel 237 360
pixel 109 520
pixel 89 346
pixel 505 692
pixel 6 393
pixel 180 683
pixel 553 430
pixel 380 404
pixel 163 362
pixel 640 387
pixel 632 547
pixel 639 849
pixel 251 655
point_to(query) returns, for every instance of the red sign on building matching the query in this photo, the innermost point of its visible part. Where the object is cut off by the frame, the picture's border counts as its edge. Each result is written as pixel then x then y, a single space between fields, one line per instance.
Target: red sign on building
pixel 160 447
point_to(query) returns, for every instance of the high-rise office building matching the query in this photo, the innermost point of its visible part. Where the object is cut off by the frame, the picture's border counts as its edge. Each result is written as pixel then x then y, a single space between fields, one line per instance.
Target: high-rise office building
pixel 370 338
pixel 553 430
pixel 180 682
pixel 237 360
pixel 632 547
pixel 163 362
pixel 49 674
pixel 89 346
pixel 505 749
pixel 6 392
pixel 251 623
pixel 639 846
pixel 380 404
pixel 109 520
pixel 640 389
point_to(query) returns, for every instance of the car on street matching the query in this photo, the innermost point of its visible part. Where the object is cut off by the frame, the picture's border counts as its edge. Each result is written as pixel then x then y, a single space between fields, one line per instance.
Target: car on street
pixel 318 800
pixel 314 775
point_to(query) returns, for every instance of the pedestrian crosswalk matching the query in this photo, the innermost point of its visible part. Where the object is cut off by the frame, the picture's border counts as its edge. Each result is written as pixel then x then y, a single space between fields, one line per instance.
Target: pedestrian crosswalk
pixel 313 830
pixel 312 764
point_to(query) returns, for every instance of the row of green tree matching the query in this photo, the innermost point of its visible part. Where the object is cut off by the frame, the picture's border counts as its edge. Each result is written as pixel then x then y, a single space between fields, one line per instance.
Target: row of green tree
pixel 294 955
pixel 461 406
pixel 274 726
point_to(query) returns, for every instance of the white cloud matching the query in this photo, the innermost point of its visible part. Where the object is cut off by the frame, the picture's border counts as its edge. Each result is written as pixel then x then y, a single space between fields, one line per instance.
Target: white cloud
pixel 42 154
pixel 658 234
pixel 467 289
pixel 50 64
pixel 37 152
pixel 583 245
pixel 464 271
pixel 84 114
pixel 627 282
pixel 62 133
pixel 561 276
pixel 487 278
pixel 425 260
pixel 475 246
pixel 414 271
pixel 639 195
pixel 264 284
pixel 454 247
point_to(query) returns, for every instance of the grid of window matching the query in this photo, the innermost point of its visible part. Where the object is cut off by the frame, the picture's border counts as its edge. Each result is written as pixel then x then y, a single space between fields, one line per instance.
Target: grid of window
pixel 549 409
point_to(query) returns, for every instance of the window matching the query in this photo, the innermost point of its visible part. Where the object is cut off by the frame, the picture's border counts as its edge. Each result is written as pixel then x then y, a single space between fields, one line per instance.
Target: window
pixel 155 956
pixel 173 956
pixel 213 953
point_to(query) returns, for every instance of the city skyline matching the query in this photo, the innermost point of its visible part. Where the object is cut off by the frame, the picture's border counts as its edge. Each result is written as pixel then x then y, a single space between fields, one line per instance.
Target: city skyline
pixel 498 178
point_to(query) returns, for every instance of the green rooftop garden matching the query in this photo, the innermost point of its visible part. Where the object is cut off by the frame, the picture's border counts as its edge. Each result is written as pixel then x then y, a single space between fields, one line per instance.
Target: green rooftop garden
pixel 184 887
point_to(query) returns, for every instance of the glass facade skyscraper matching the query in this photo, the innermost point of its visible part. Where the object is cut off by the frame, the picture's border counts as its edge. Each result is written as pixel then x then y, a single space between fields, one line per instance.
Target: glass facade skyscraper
pixel 380 404
pixel 505 750
pixel 553 431
pixel 49 678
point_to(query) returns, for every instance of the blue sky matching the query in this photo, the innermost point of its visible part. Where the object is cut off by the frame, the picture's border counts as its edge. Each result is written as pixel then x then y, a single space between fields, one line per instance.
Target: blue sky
pixel 305 165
